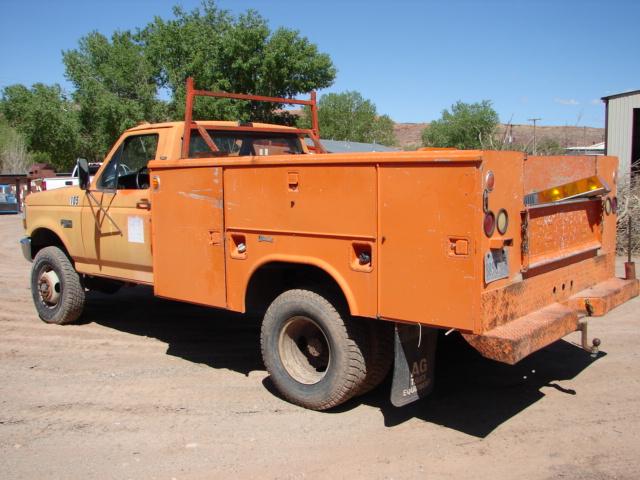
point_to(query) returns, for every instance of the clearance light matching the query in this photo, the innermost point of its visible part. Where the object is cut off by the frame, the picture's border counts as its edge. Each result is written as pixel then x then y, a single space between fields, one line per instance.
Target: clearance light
pixel 607 206
pixel 489 180
pixel 586 187
pixel 502 222
pixel 489 223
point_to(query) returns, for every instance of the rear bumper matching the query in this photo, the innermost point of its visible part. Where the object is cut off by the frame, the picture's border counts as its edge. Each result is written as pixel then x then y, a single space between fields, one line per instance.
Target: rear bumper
pixel 25 246
pixel 512 341
pixel 603 297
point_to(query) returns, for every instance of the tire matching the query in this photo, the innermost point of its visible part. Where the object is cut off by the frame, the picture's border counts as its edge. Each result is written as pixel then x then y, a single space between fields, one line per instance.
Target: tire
pixel 55 287
pixel 313 354
pixel 380 357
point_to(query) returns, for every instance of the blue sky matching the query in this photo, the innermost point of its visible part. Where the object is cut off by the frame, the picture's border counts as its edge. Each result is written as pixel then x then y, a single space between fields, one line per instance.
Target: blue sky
pixel 544 58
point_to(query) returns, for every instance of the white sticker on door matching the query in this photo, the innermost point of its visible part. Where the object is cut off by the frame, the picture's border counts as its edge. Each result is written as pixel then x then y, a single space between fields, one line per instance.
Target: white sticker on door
pixel 135 229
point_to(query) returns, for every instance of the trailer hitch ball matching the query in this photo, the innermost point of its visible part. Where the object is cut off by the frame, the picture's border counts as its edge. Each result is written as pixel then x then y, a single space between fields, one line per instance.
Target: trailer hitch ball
pixel 593 349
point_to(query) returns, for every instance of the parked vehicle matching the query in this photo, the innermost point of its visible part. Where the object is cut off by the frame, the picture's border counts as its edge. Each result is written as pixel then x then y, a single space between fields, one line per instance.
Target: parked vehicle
pixel 61 181
pixel 355 261
pixel 8 200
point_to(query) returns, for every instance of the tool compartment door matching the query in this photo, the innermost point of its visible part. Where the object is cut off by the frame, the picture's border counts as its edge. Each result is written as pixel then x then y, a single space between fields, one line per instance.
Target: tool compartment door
pixel 188 240
pixel 564 230
pixel 559 231
pixel 428 214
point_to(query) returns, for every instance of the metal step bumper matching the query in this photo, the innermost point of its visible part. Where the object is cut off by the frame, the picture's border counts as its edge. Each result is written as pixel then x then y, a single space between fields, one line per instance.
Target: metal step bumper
pixel 511 342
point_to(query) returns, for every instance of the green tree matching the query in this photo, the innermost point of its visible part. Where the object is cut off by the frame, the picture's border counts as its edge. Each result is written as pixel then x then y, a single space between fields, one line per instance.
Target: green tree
pixel 115 88
pixel 46 119
pixel 467 126
pixel 14 157
pixel 119 79
pixel 349 116
pixel 234 54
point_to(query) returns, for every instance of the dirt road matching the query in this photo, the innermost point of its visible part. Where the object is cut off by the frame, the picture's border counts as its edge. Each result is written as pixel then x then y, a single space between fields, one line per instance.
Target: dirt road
pixel 148 388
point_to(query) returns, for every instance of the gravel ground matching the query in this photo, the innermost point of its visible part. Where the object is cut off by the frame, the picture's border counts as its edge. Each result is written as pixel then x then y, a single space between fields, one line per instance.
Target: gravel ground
pixel 148 388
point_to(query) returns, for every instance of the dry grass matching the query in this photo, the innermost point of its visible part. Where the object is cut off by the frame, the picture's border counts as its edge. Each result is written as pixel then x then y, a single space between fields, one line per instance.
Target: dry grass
pixel 629 208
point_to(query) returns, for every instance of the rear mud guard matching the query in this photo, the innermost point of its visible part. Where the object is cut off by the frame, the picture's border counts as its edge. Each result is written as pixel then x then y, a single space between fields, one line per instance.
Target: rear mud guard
pixel 414 363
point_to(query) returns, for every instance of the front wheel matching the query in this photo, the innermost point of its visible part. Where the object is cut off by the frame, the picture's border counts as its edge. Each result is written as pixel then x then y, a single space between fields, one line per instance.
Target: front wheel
pixel 313 353
pixel 56 288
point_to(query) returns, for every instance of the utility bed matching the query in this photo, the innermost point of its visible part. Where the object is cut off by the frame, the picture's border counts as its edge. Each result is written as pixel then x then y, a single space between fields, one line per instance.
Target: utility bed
pixel 342 254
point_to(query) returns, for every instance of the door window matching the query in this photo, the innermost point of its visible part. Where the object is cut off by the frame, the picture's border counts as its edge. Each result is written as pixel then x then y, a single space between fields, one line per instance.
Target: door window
pixel 128 166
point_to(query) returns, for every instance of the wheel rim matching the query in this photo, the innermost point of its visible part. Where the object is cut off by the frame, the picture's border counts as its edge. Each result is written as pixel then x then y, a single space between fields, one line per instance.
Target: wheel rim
pixel 49 287
pixel 304 350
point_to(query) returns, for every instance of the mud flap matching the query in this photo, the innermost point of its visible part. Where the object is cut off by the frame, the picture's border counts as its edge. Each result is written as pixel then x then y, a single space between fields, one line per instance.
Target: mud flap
pixel 414 365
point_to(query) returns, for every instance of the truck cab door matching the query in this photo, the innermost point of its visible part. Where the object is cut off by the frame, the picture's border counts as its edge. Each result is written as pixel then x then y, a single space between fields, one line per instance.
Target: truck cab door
pixel 116 228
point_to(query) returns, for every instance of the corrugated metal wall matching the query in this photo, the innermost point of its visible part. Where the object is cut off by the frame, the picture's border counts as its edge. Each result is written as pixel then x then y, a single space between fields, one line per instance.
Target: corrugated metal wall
pixel 620 124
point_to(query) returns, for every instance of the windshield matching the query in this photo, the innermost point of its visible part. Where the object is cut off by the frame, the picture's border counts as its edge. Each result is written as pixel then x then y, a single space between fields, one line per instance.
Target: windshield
pixel 240 144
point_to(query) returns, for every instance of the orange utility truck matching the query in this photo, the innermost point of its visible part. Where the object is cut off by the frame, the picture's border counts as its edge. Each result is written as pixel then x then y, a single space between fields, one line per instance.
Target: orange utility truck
pixel 354 260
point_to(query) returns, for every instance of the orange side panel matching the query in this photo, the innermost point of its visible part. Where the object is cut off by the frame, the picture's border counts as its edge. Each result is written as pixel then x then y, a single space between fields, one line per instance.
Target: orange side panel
pixel 305 214
pixel 188 235
pixel 508 169
pixel 426 212
pixel 327 200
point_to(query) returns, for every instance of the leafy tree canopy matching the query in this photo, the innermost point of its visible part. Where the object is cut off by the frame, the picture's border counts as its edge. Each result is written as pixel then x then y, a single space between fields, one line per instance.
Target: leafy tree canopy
pixel 115 88
pixel 119 80
pixel 47 120
pixel 349 116
pixel 467 126
pixel 235 54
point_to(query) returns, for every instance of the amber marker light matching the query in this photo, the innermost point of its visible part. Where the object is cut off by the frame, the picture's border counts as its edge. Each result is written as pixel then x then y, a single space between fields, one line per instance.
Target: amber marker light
pixel 502 222
pixel 489 180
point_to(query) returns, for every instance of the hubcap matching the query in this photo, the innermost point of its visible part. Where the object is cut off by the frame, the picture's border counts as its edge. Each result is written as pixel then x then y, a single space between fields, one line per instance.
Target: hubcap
pixel 304 350
pixel 49 288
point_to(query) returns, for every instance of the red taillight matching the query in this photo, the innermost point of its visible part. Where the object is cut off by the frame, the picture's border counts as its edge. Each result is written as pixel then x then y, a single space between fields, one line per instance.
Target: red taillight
pixel 489 223
pixel 43 186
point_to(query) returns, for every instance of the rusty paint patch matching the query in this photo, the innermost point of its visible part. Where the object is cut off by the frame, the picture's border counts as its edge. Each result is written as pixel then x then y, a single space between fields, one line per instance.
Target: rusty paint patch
pixel 604 296
pixel 542 288
pixel 513 341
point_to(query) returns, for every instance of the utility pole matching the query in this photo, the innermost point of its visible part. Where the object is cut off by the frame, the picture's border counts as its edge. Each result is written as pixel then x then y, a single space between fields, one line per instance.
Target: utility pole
pixel 534 120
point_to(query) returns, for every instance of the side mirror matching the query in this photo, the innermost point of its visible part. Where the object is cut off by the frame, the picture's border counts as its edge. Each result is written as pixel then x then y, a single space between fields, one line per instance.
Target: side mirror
pixel 83 173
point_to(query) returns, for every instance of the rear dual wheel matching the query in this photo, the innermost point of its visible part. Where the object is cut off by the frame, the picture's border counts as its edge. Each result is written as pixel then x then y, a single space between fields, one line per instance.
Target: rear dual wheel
pixel 316 356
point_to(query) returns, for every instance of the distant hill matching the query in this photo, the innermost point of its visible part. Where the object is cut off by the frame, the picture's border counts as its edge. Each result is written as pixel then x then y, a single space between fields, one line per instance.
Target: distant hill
pixel 409 134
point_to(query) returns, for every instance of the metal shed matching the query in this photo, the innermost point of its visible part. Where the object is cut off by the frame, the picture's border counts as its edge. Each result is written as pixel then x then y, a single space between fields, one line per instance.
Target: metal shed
pixel 622 128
